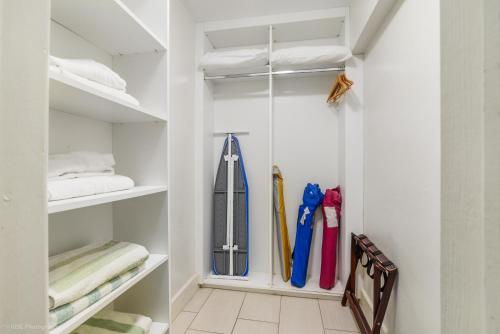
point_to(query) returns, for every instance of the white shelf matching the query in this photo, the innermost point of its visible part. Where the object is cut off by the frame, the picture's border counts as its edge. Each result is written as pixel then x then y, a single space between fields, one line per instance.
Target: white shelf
pixel 259 282
pixel 322 28
pixel 86 201
pixel 291 27
pixel 153 262
pixel 158 328
pixel 108 24
pixel 76 98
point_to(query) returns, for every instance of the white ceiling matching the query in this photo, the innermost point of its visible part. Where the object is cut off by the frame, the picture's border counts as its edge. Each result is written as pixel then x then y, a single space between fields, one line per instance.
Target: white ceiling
pixel 211 10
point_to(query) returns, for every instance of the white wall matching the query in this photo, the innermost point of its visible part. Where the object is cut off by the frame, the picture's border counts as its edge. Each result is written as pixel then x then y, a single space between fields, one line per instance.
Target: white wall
pixel 402 154
pixel 365 17
pixel 181 116
pixel 351 159
pixel 491 25
pixel 462 273
pixel 471 166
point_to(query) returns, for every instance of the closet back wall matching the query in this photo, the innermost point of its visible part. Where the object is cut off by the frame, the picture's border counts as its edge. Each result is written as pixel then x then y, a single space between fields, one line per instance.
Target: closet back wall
pixel 244 106
pixel 305 147
pixel 67 132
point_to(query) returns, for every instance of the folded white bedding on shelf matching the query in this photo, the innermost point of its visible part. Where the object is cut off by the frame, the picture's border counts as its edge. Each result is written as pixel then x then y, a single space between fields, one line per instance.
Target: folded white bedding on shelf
pixel 78 174
pixel 91 70
pixel 236 59
pixel 80 164
pixel 87 186
pixel 112 92
pixel 108 322
pixel 308 56
pixel 67 311
pixel 74 274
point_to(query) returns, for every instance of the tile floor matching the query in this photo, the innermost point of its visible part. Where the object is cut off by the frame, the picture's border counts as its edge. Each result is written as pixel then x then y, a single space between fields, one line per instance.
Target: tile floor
pixel 213 311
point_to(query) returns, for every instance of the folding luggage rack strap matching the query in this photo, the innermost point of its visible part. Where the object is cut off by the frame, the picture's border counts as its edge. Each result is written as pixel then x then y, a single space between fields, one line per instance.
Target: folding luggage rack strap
pixel 379 268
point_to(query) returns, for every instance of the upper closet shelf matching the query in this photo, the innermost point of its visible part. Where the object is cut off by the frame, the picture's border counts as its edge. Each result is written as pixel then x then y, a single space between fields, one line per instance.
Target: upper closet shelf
pixel 153 262
pixel 293 29
pixel 86 201
pixel 76 98
pixel 108 24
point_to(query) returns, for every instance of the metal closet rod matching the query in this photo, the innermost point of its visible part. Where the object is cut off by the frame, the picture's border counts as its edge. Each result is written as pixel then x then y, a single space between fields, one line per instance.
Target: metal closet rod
pixel 286 72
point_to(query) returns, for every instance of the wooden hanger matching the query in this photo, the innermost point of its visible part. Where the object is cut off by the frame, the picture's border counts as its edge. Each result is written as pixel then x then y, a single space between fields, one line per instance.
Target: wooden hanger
pixel 340 87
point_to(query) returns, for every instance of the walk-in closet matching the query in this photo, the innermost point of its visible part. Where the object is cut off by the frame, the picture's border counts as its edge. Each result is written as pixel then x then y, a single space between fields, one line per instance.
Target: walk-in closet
pixel 271 108
pixel 249 167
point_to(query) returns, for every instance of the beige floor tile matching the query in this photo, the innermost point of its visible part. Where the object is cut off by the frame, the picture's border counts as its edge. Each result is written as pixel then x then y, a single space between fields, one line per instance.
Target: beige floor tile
pixel 261 307
pixel 191 331
pixel 333 331
pixel 335 316
pixel 198 300
pixel 182 322
pixel 299 316
pixel 254 327
pixel 220 312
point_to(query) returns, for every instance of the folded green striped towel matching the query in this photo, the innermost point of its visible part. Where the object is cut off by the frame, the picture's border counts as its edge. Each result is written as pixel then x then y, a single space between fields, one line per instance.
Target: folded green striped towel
pixel 74 274
pixel 63 313
pixel 112 322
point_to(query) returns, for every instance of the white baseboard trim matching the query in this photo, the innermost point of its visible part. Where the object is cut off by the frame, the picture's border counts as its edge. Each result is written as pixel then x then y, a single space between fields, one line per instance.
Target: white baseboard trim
pixel 184 295
pixel 366 303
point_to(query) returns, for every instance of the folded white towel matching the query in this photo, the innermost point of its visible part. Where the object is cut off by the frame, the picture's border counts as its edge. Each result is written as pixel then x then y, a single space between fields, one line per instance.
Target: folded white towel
pixel 87 186
pixel 234 59
pixel 69 176
pixel 91 70
pixel 71 164
pixel 322 55
pixel 119 94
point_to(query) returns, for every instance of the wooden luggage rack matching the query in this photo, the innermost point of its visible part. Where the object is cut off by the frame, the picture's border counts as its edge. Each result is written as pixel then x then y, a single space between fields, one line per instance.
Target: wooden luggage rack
pixel 381 270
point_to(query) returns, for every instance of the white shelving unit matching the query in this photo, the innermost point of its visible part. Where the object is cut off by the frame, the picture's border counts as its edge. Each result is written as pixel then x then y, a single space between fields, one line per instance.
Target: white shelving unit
pixel 86 201
pixel 153 262
pixel 109 24
pixel 277 112
pixel 76 98
pixel 132 41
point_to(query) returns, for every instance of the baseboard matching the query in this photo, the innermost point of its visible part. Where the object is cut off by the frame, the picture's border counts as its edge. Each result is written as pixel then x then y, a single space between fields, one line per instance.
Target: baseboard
pixel 366 304
pixel 184 295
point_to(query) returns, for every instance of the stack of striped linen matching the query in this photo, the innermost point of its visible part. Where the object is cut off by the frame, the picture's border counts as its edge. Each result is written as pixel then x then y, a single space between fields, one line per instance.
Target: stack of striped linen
pixel 111 322
pixel 79 278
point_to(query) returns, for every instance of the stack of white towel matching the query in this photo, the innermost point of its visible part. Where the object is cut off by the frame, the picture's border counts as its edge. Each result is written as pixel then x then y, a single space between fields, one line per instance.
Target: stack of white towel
pixel 79 174
pixel 93 74
pixel 290 57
